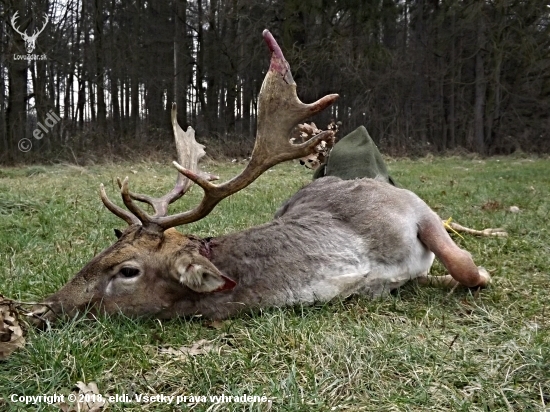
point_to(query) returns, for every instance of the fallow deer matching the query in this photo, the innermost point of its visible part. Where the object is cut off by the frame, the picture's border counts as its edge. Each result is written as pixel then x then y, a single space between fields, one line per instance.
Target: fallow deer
pixel 333 238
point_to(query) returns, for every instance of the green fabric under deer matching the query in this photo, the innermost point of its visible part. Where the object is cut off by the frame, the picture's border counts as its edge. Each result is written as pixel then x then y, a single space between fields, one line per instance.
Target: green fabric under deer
pixel 355 156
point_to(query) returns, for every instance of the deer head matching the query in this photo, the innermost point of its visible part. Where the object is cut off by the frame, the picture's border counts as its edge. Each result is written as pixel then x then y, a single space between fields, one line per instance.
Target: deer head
pixel 152 266
pixel 30 41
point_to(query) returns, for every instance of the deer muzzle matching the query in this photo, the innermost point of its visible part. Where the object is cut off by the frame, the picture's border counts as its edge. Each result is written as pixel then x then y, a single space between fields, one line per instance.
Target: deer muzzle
pixel 43 313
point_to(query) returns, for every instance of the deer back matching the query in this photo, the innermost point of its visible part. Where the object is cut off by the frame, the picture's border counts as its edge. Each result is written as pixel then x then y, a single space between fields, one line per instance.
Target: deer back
pixel 332 238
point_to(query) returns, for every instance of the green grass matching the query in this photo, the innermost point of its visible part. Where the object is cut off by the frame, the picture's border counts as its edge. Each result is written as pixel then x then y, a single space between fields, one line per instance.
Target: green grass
pixel 421 349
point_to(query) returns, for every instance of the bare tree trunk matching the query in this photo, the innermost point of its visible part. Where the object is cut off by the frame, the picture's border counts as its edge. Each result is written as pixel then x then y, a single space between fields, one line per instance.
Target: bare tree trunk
pixel 247 92
pixel 200 60
pixel 493 100
pixel 78 114
pixel 100 66
pixel 420 83
pixel 451 116
pixel 479 107
pixel 122 111
pixel 81 100
pixel 212 83
pixel 92 104
pixel 67 98
pixel 183 60
pixel 38 75
pixel 17 95
pixel 87 66
pixel 115 104
pixel 3 131
pixel 127 95
pixel 16 111
pixel 113 80
pixel 135 102
pixel 230 37
pixel 444 145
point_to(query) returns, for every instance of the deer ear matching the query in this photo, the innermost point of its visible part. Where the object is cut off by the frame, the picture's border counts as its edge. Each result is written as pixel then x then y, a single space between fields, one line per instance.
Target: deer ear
pixel 118 233
pixel 202 278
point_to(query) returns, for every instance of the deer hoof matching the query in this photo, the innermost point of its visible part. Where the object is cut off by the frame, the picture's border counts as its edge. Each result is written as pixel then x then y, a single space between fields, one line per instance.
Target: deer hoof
pixel 495 232
pixel 484 277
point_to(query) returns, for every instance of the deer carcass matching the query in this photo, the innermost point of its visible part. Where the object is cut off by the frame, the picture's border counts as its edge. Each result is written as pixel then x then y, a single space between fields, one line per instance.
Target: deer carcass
pixel 332 238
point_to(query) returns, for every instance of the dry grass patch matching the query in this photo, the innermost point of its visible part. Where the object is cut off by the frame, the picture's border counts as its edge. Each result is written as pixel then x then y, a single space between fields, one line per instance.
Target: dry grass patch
pixel 421 349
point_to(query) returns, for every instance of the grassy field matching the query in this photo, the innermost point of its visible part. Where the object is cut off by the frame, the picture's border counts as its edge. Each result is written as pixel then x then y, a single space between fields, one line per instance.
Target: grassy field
pixel 421 349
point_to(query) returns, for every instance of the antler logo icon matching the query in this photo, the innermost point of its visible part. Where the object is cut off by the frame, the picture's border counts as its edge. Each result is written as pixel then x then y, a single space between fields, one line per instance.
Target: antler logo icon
pixel 30 41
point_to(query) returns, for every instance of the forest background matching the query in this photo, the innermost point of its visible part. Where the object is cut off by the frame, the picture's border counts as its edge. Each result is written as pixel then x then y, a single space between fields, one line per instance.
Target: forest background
pixel 424 76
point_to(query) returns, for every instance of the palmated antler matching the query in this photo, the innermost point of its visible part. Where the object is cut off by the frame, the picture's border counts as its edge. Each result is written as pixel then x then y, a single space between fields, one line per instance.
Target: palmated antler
pixel 279 111
pixel 189 152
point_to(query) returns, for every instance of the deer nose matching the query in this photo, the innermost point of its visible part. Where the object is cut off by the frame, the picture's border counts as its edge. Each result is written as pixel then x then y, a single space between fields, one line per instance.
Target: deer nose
pixel 40 315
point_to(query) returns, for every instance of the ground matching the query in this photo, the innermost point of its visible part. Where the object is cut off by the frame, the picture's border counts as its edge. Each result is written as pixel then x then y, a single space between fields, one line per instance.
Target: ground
pixel 421 349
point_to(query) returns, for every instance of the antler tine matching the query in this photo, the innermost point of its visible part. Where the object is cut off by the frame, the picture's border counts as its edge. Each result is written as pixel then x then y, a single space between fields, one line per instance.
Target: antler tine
pixel 189 152
pixel 13 19
pixel 213 194
pixel 37 32
pixel 279 111
pixel 160 205
pixel 143 216
pixel 120 212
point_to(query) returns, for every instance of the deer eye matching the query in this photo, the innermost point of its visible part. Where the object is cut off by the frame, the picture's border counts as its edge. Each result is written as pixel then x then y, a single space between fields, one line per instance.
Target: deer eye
pixel 129 272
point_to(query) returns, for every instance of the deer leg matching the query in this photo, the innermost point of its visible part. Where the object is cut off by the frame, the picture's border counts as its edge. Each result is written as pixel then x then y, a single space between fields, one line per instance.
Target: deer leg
pixel 446 281
pixel 458 262
pixel 455 227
